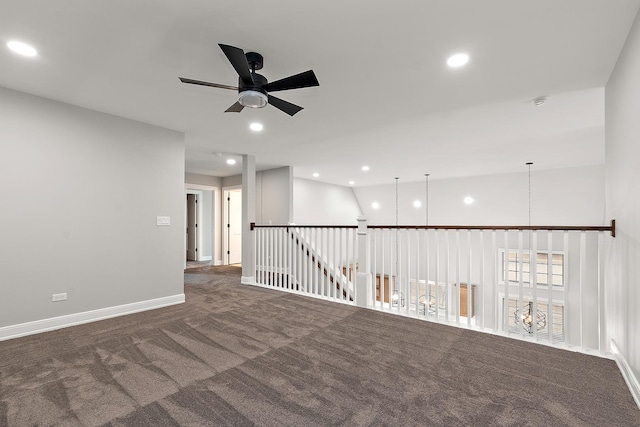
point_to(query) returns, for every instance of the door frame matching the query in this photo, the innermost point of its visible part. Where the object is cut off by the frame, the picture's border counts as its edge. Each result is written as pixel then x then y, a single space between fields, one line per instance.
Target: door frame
pixel 225 220
pixel 198 196
pixel 216 241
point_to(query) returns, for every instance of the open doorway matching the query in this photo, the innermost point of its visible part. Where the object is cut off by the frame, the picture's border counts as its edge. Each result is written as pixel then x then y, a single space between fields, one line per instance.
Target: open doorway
pixel 203 239
pixel 233 226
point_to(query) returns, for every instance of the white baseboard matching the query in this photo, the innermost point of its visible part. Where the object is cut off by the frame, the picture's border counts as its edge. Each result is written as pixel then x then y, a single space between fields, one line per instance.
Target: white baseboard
pixel 218 262
pixel 44 325
pixel 247 280
pixel 206 258
pixel 627 372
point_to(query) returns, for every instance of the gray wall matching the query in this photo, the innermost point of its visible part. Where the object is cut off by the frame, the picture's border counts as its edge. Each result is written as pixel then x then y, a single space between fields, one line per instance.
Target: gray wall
pixel 319 203
pixel 195 178
pixel 274 191
pixel 622 104
pixel 232 181
pixel 80 193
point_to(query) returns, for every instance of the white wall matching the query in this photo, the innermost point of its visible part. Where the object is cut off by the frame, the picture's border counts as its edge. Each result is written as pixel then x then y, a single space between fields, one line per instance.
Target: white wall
pixel 573 196
pixel 622 104
pixel 80 193
pixel 318 203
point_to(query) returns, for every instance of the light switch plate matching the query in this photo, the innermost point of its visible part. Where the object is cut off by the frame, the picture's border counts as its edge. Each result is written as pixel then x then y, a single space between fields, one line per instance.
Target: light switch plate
pixel 59 297
pixel 163 220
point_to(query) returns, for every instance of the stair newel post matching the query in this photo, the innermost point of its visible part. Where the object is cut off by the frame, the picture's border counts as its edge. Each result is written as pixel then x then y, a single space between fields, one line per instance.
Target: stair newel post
pixel 363 266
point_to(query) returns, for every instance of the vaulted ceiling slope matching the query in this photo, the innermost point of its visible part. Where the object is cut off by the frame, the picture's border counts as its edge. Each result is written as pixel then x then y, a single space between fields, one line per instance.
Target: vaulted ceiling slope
pixel 386 96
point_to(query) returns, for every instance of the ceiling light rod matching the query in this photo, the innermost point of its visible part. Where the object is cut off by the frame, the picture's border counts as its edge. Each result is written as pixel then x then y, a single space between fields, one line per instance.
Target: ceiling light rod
pixel 396 178
pixel 529 165
pixel 525 315
pixel 426 197
pixel 397 297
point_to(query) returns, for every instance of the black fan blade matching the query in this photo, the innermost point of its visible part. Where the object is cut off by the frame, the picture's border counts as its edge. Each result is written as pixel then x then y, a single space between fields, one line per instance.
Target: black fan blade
pixel 306 79
pixel 283 105
pixel 201 83
pixel 236 56
pixel 235 108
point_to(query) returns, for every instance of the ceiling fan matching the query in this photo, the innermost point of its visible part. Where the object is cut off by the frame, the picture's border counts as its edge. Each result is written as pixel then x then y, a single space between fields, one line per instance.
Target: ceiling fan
pixel 253 89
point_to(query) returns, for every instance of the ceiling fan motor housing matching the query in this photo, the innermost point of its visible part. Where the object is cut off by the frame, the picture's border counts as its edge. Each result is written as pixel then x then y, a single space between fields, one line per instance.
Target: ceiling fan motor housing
pixel 258 81
pixel 253 96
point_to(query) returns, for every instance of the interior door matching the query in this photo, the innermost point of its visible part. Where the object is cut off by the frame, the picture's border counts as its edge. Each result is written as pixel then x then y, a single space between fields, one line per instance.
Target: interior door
pixel 234 227
pixel 192 227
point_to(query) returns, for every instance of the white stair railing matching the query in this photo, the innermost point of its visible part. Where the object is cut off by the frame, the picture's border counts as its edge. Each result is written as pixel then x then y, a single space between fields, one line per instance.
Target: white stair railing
pixel 542 284
pixel 313 260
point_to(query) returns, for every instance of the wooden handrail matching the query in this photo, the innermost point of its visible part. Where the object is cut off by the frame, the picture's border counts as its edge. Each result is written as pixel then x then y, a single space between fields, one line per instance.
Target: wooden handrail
pixel 611 228
pixel 254 225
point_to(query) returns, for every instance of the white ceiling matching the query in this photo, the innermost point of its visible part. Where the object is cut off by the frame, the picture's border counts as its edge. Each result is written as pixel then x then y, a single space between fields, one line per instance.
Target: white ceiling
pixel 386 97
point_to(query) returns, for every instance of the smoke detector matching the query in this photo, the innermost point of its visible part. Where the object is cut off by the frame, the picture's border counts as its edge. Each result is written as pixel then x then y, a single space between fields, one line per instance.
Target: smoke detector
pixel 541 100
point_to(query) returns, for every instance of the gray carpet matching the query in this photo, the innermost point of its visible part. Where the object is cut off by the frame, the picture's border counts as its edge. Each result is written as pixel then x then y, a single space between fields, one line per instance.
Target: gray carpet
pixel 240 355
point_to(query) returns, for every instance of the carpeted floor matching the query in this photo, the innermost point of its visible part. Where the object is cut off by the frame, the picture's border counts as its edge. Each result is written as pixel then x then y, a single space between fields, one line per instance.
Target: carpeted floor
pixel 241 355
pixel 197 264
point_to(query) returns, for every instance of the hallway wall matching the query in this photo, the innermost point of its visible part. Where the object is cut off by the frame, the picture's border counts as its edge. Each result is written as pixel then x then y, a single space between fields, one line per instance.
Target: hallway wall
pixel 622 103
pixel 81 191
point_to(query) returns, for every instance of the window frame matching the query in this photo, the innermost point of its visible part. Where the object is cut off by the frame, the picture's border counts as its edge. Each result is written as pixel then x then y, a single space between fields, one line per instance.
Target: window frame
pixel 518 252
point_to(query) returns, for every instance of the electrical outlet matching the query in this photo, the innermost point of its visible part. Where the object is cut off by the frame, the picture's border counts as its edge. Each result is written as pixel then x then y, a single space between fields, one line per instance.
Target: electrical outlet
pixel 163 220
pixel 59 297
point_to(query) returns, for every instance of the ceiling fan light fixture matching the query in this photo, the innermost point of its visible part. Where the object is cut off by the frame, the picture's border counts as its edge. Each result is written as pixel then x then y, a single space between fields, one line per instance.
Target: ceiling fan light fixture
pixel 252 99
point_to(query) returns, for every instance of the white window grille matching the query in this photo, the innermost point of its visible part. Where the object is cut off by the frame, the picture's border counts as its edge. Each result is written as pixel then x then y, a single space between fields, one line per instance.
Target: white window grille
pixel 511 268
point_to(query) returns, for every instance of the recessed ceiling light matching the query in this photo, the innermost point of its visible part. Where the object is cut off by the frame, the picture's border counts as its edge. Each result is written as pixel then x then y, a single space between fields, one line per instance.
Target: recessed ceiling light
pixel 365 168
pixel 256 127
pixel 231 161
pixel 375 205
pixel 316 174
pixel 468 200
pixel 351 182
pixel 417 203
pixel 457 60
pixel 22 48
